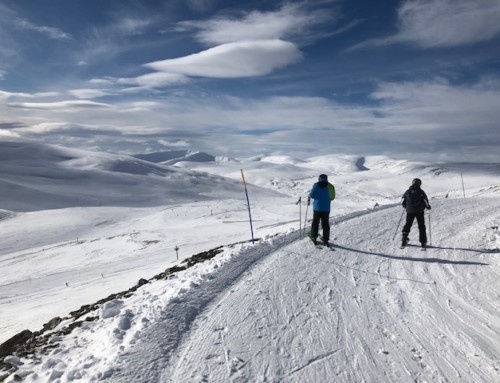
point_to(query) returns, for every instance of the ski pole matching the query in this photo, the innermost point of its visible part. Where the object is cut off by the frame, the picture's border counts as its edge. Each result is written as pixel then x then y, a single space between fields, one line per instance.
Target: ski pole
pixel 299 202
pixel 399 223
pixel 305 219
pixel 430 231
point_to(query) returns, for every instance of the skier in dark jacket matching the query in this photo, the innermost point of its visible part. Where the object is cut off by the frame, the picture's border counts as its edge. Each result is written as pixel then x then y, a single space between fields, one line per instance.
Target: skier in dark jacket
pixel 415 202
pixel 323 193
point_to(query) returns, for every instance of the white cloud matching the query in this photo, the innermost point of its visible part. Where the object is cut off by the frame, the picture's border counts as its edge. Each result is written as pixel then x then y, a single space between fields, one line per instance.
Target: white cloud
pixel 103 81
pixel 289 21
pixel 250 44
pixel 141 106
pixel 242 59
pixel 60 105
pixel 2 74
pixel 7 95
pixel 8 133
pixel 46 127
pixel 131 25
pixel 50 32
pixel 440 116
pixel 88 93
pixel 110 40
pixel 443 23
pixel 154 80
pixel 175 144
pixel 440 101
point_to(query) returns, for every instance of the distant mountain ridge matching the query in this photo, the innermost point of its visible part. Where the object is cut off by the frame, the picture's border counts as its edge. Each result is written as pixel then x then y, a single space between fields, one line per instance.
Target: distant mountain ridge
pixel 38 176
pixel 171 157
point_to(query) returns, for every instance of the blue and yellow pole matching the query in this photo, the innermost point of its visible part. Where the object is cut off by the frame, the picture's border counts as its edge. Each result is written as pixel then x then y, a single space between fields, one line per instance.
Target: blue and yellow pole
pixel 248 203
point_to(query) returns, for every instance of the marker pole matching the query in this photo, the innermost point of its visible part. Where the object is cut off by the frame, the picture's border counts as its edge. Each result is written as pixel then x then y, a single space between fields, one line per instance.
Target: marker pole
pixel 299 202
pixel 248 204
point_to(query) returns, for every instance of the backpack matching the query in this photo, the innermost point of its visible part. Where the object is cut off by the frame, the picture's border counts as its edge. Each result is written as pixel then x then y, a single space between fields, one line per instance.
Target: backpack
pixel 414 197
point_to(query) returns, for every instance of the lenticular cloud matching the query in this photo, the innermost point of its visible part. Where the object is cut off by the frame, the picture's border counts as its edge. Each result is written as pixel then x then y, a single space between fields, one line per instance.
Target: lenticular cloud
pixel 232 60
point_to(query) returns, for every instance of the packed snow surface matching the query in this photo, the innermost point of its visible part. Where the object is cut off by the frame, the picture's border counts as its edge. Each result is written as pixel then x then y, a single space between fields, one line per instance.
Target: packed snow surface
pixel 277 310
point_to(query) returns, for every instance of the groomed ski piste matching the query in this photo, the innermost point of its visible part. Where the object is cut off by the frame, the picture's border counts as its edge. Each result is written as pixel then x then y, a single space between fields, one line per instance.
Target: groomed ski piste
pixel 117 269
pixel 280 310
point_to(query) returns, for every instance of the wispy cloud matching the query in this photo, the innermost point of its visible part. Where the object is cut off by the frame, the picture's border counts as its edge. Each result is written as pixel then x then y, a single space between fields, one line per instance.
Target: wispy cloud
pixel 9 95
pixel 154 80
pixel 409 117
pixel 118 35
pixel 443 23
pixel 132 25
pixel 8 134
pixel 174 144
pixel 438 114
pixel 244 45
pixel 50 32
pixel 74 129
pixel 241 59
pixel 88 93
pixel 291 21
pixel 60 105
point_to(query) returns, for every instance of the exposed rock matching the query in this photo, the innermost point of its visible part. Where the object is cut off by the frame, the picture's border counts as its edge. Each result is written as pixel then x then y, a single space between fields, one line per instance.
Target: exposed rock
pixel 52 324
pixel 12 344
pixel 26 343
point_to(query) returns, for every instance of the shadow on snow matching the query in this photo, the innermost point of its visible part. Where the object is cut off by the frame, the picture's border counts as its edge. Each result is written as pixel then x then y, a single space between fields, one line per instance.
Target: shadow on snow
pixel 417 259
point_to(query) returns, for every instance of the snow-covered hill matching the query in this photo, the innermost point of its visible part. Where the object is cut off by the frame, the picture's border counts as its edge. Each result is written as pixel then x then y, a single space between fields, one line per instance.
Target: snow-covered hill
pixel 37 177
pixel 171 157
pixel 113 220
pixel 282 310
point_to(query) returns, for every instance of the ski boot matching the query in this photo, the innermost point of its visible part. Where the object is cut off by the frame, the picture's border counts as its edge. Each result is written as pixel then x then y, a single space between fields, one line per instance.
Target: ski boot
pixel 404 242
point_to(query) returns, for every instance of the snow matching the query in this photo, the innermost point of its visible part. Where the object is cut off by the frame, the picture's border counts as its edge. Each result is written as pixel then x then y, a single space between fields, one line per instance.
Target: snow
pixel 276 310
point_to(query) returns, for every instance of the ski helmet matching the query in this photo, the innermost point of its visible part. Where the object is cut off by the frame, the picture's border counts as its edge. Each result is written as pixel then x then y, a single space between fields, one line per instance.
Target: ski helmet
pixel 323 177
pixel 417 182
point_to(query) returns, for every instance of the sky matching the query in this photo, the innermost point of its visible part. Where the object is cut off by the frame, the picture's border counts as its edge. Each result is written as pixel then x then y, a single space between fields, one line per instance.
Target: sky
pixel 412 79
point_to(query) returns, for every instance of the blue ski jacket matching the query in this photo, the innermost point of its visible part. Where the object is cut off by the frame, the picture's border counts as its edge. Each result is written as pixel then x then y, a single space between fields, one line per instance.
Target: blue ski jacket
pixel 322 193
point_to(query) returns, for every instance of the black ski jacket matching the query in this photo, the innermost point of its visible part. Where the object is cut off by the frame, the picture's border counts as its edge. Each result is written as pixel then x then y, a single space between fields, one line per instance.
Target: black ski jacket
pixel 415 200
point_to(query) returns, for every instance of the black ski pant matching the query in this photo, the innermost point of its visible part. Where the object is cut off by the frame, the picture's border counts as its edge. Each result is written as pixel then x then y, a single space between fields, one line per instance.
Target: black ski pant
pixel 324 217
pixel 410 217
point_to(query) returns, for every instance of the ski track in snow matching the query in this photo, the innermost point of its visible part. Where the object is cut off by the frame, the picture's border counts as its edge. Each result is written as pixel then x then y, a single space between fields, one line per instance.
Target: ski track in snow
pixel 367 312
pixel 277 311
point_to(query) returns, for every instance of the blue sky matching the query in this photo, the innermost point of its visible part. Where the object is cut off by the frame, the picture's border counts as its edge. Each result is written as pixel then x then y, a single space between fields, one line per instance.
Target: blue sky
pixel 409 79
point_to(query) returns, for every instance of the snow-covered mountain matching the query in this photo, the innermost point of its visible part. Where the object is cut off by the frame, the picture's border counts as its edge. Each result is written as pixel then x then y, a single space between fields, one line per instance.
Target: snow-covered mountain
pixel 79 226
pixel 171 157
pixel 36 177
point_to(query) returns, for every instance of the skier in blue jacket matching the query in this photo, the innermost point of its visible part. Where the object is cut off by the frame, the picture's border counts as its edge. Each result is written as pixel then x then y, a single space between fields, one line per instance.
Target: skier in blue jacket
pixel 323 193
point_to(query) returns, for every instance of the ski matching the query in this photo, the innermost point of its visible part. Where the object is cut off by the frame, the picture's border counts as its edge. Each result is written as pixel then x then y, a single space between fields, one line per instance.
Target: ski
pixel 319 244
pixel 405 245
pixel 329 246
pixel 315 243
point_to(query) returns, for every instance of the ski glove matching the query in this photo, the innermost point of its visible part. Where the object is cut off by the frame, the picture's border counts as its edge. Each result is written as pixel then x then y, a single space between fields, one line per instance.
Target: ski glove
pixel 308 201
